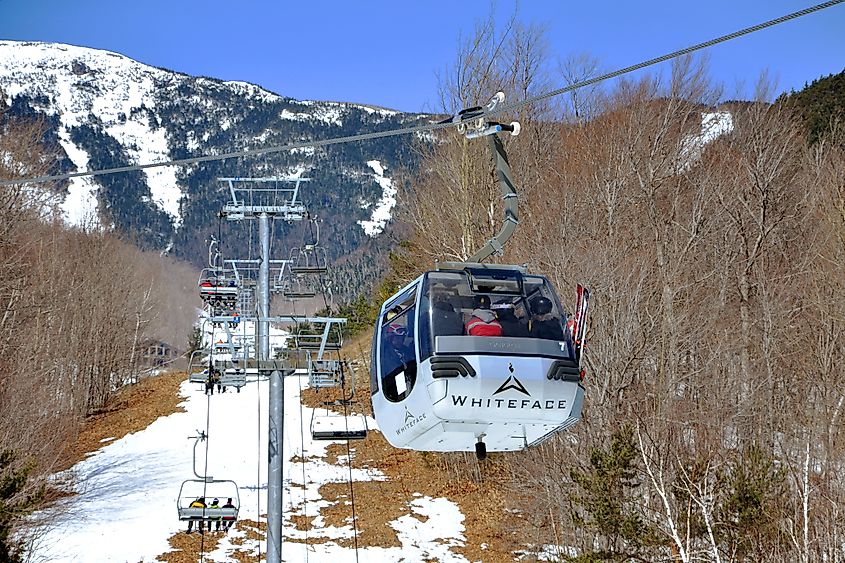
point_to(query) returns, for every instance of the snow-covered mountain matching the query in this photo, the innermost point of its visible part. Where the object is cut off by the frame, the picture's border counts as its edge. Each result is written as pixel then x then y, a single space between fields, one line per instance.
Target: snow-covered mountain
pixel 104 109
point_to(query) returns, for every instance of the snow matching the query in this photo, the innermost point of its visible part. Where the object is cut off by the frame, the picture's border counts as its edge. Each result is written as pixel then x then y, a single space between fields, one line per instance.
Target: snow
pixel 128 490
pixel 81 82
pixel 713 125
pixel 381 213
pixel 80 204
pixel 329 113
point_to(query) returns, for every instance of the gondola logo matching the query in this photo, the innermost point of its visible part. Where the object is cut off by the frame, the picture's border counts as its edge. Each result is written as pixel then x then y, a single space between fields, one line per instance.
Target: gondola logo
pixel 410 421
pixel 512 383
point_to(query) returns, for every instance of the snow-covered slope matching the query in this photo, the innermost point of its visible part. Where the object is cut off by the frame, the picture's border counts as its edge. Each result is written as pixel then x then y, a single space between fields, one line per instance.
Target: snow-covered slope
pixel 108 110
pixel 126 507
pixel 77 85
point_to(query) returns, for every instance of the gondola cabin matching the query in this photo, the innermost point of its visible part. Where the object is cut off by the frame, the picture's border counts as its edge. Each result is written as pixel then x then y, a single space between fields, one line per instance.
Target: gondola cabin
pixel 474 356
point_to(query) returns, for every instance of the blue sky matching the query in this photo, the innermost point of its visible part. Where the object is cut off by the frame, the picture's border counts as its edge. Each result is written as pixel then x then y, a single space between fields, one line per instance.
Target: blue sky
pixel 388 52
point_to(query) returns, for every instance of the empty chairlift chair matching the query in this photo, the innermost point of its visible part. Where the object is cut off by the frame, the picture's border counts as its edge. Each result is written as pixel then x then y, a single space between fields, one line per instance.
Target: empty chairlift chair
pixel 294 286
pixel 323 374
pixel 310 258
pixel 233 377
pixel 327 424
pixel 319 335
pixel 198 366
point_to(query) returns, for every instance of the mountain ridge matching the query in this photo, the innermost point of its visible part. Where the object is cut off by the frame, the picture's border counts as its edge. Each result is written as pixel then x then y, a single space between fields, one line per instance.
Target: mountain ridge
pixel 106 110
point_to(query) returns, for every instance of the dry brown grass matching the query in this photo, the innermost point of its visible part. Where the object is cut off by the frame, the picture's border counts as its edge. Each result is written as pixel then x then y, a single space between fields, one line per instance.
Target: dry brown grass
pixel 409 474
pixel 134 408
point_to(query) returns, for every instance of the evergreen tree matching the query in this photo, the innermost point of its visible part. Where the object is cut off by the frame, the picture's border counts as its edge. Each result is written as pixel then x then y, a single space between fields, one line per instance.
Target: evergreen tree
pixel 820 104
pixel 604 506
pixel 15 502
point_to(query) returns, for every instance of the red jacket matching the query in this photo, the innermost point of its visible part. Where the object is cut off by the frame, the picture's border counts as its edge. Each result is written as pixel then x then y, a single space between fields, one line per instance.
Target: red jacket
pixel 483 323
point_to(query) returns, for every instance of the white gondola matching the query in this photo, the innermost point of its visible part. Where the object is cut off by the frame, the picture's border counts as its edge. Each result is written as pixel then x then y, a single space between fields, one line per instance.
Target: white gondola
pixel 437 388
pixel 445 378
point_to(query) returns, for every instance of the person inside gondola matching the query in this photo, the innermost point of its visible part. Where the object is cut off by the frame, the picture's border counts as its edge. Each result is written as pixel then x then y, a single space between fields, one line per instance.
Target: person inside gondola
pixel 398 362
pixel 446 321
pixel 199 503
pixel 402 352
pixel 543 323
pixel 512 325
pixel 483 321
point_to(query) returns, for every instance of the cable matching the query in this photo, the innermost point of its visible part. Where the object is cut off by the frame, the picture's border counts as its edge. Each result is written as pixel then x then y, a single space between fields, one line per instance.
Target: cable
pixel 432 126
pixel 349 452
pixel 302 459
pixel 503 108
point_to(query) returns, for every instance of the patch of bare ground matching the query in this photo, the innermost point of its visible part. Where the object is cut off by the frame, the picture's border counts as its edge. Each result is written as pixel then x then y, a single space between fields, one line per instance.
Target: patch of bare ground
pixel 478 488
pixel 187 546
pixel 133 409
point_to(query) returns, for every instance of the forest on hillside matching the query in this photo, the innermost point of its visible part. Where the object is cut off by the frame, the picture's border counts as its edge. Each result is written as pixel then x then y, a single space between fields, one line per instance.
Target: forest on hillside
pixel 76 306
pixel 713 421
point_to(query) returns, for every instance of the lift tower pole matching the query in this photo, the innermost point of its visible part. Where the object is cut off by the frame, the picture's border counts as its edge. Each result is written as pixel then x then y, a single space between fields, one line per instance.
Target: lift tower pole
pixel 264 204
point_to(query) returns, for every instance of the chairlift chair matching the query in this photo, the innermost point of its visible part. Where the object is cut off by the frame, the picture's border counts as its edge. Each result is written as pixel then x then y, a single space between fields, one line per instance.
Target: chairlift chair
pixel 206 487
pixel 331 425
pixel 194 489
pixel 310 258
pixel 318 336
pixel 233 377
pixel 323 374
pixel 198 366
pixel 215 286
pixel 335 426
pixel 295 287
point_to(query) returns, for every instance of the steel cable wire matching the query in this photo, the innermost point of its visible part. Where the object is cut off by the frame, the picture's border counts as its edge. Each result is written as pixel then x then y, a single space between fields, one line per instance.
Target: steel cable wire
pixel 431 126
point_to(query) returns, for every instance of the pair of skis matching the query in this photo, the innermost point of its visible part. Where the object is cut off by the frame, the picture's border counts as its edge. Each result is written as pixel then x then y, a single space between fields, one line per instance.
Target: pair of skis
pixel 579 323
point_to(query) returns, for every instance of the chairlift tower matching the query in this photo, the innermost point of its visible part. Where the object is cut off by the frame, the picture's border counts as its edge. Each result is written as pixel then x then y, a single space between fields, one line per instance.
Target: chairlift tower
pixel 265 199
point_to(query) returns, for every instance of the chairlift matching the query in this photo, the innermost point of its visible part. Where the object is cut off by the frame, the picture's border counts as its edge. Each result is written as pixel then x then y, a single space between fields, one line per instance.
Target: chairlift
pixel 233 377
pixel 310 258
pixel 296 286
pixel 198 366
pixel 323 374
pixel 330 425
pixel 194 493
pixel 215 286
pixel 438 385
pixel 319 335
pixel 193 490
pixel 335 426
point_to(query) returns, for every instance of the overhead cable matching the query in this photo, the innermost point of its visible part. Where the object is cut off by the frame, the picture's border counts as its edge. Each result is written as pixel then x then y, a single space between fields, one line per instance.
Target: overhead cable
pixel 502 108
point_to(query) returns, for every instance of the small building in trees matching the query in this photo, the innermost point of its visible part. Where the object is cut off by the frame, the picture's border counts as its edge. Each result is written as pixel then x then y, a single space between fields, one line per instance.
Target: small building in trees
pixel 157 352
